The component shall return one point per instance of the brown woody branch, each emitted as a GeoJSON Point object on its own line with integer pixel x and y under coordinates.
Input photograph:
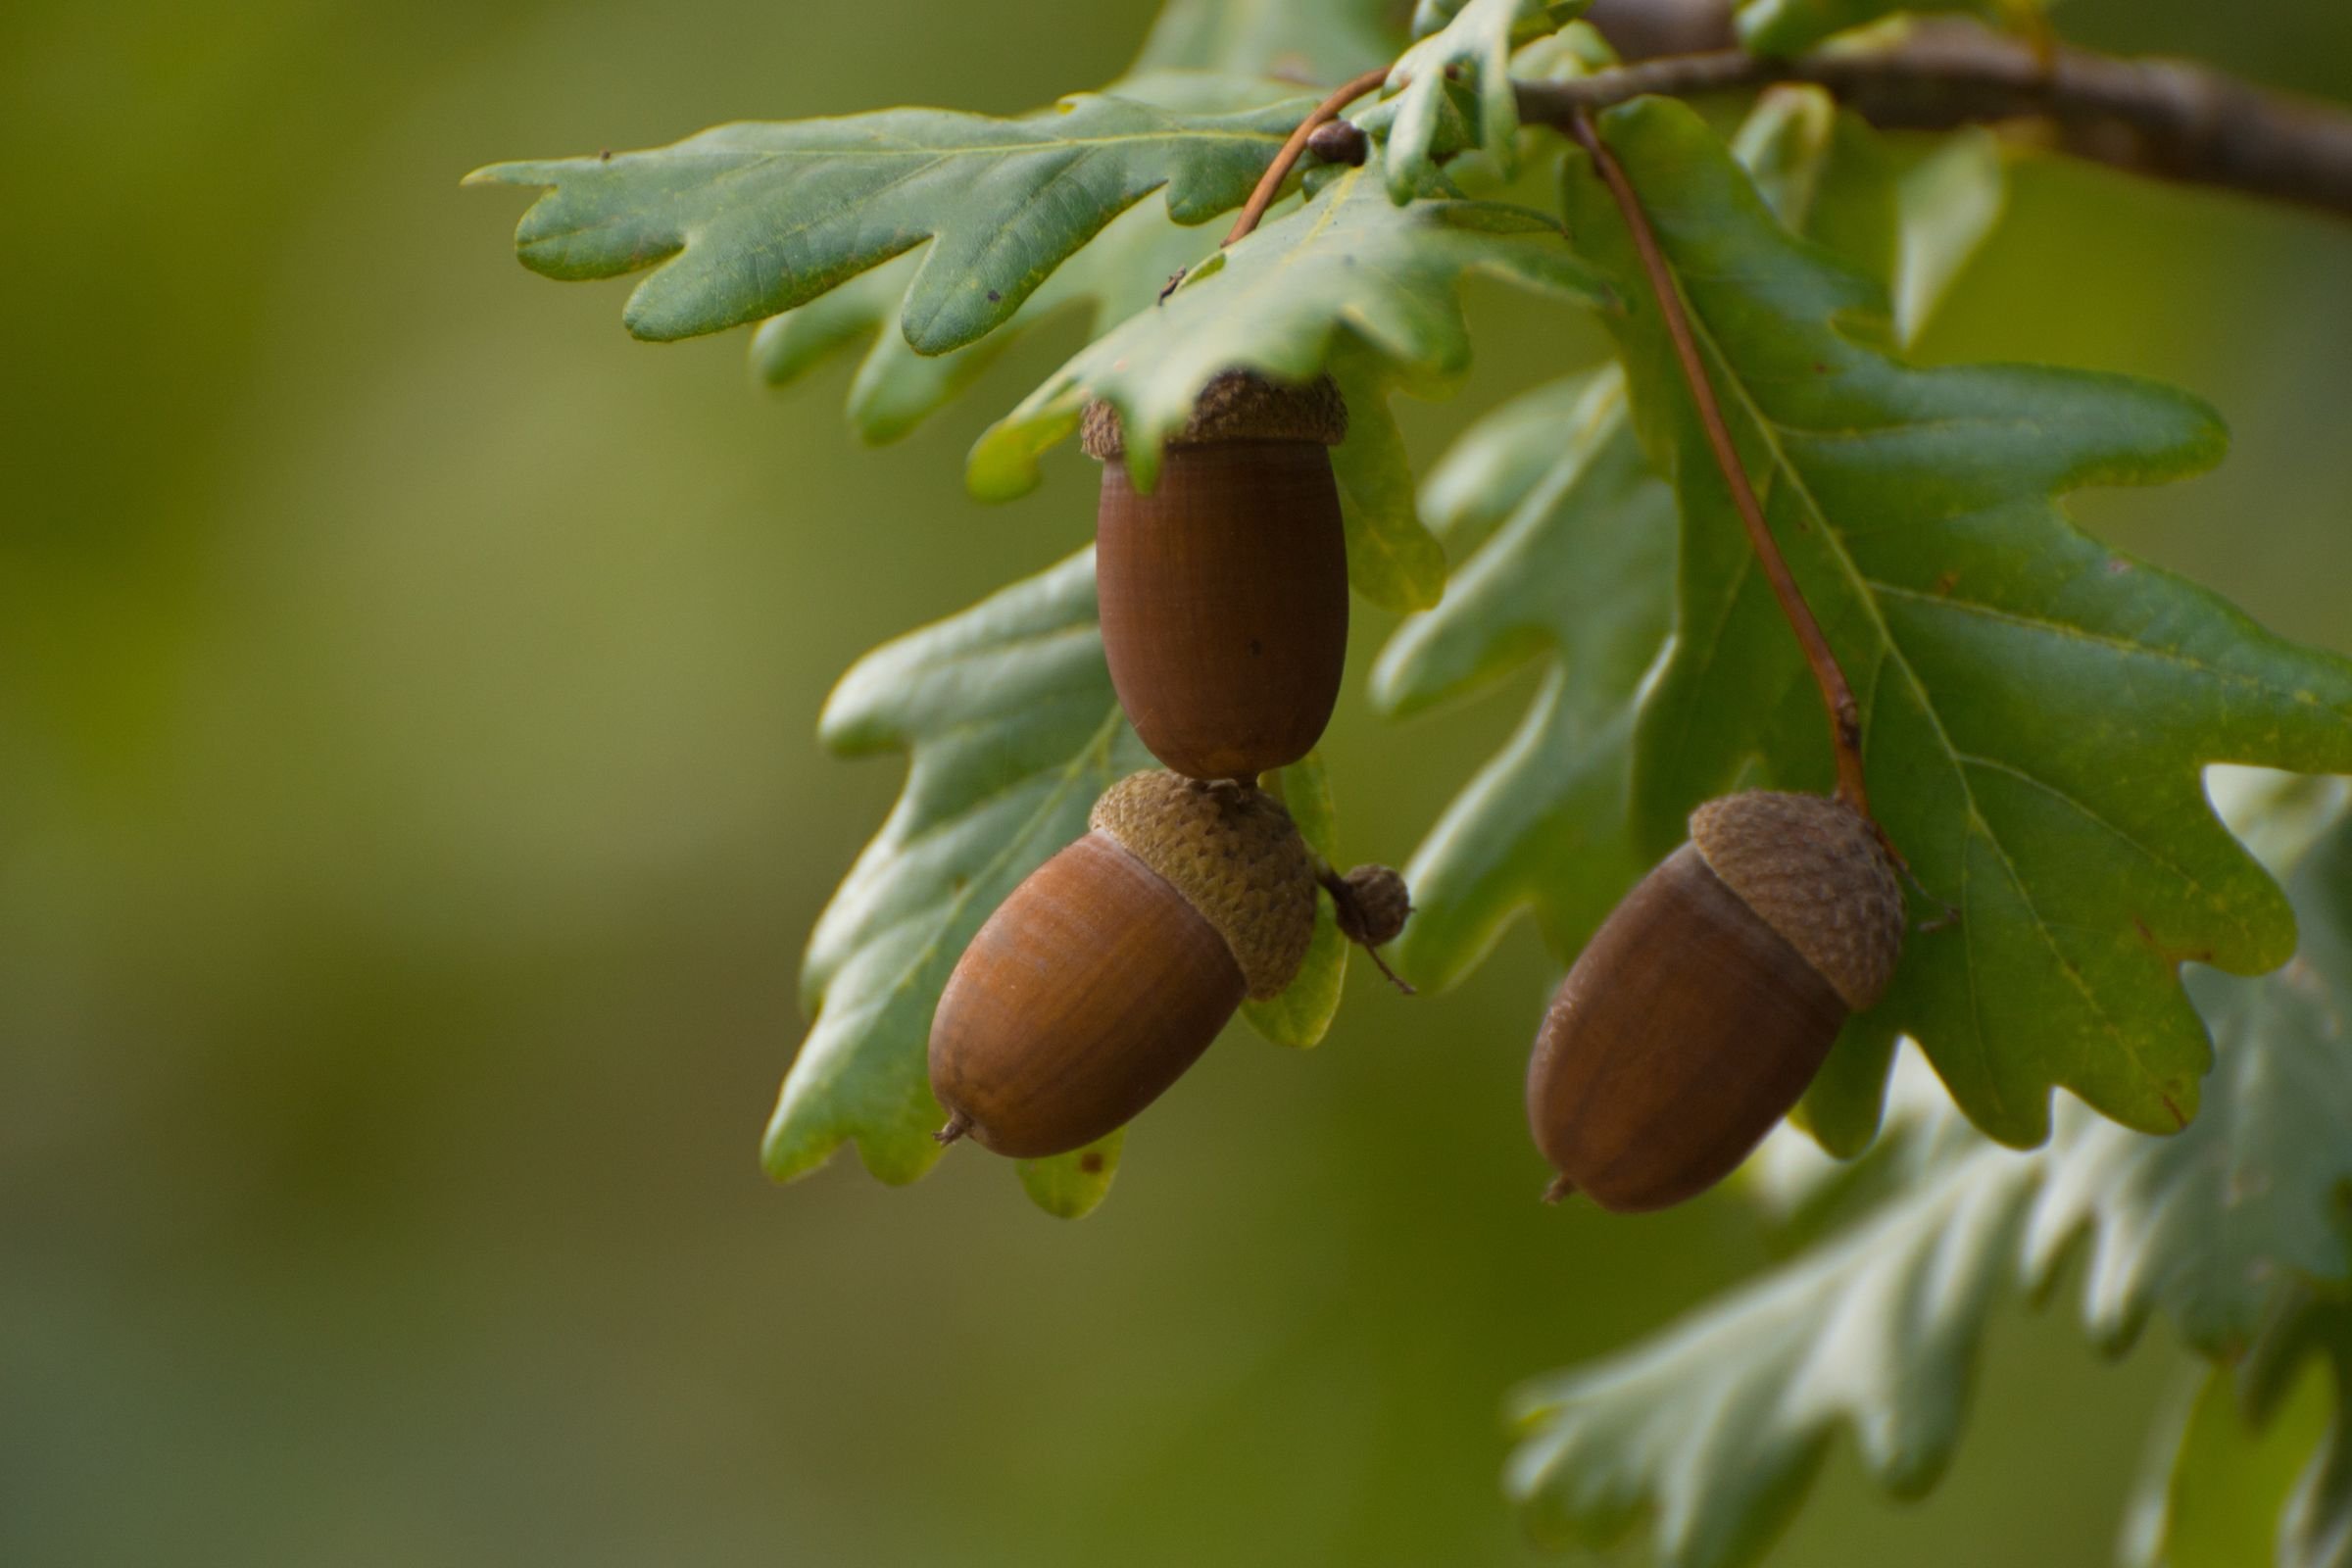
{"type": "Point", "coordinates": [1639, 30]}
{"type": "Point", "coordinates": [2170, 119]}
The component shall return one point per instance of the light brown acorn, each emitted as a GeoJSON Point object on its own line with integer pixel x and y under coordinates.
{"type": "Point", "coordinates": [1108, 972]}
{"type": "Point", "coordinates": [1224, 592]}
{"type": "Point", "coordinates": [1696, 1015]}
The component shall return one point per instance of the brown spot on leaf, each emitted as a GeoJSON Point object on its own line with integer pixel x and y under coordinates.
{"type": "Point", "coordinates": [1945, 583]}
{"type": "Point", "coordinates": [1091, 1162]}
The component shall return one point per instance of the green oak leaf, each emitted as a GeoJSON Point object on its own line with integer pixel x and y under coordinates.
{"type": "Point", "coordinates": [2205, 1225]}
{"type": "Point", "coordinates": [1465, 49]}
{"type": "Point", "coordinates": [1007, 714]}
{"type": "Point", "coordinates": [749, 219]}
{"type": "Point", "coordinates": [1121, 271]}
{"type": "Point", "coordinates": [1577, 572]}
{"type": "Point", "coordinates": [1910, 217]}
{"type": "Point", "coordinates": [1573, 562]}
{"type": "Point", "coordinates": [1496, 464]}
{"type": "Point", "coordinates": [1710, 1432]}
{"type": "Point", "coordinates": [1570, 559]}
{"type": "Point", "coordinates": [1302, 1015]}
{"type": "Point", "coordinates": [1392, 559]}
{"type": "Point", "coordinates": [1947, 204]}
{"type": "Point", "coordinates": [2316, 1530]}
{"type": "Point", "coordinates": [896, 389]}
{"type": "Point", "coordinates": [1782, 28]}
{"type": "Point", "coordinates": [1306, 40]}
{"type": "Point", "coordinates": [1349, 283]}
{"type": "Point", "coordinates": [2037, 706]}
{"type": "Point", "coordinates": [2308, 1339]}
{"type": "Point", "coordinates": [1073, 1186]}
{"type": "Point", "coordinates": [2219, 1477]}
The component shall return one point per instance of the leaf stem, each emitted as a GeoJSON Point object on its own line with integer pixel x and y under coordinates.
{"type": "Point", "coordinates": [1838, 697]}
{"type": "Point", "coordinates": [1270, 184]}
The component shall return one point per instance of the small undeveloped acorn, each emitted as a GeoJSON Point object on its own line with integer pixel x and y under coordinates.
{"type": "Point", "coordinates": [1372, 905]}
{"type": "Point", "coordinates": [1696, 1015]}
{"type": "Point", "coordinates": [1106, 974]}
{"type": "Point", "coordinates": [1224, 592]}
{"type": "Point", "coordinates": [1338, 141]}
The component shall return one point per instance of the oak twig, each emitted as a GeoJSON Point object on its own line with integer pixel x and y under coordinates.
{"type": "Point", "coordinates": [2171, 119]}
{"type": "Point", "coordinates": [1846, 715]}
{"type": "Point", "coordinates": [1642, 29]}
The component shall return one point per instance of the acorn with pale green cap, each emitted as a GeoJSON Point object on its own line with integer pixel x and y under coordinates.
{"type": "Point", "coordinates": [1702, 1008]}
{"type": "Point", "coordinates": [1111, 969]}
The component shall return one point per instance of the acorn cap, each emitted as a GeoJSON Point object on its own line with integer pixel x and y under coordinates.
{"type": "Point", "coordinates": [1815, 870]}
{"type": "Point", "coordinates": [1236, 405]}
{"type": "Point", "coordinates": [1234, 853]}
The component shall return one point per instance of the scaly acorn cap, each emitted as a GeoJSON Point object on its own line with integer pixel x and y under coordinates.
{"type": "Point", "coordinates": [1813, 869]}
{"type": "Point", "coordinates": [1236, 405]}
{"type": "Point", "coordinates": [1234, 853]}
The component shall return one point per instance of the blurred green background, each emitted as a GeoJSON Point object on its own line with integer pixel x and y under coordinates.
{"type": "Point", "coordinates": [410, 816]}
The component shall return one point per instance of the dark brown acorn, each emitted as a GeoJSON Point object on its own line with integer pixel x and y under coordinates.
{"type": "Point", "coordinates": [1110, 970]}
{"type": "Point", "coordinates": [1696, 1015]}
{"type": "Point", "coordinates": [1224, 592]}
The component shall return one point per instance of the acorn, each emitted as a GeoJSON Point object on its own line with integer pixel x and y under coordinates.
{"type": "Point", "coordinates": [1110, 970]}
{"type": "Point", "coordinates": [1224, 592]}
{"type": "Point", "coordinates": [1696, 1015]}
